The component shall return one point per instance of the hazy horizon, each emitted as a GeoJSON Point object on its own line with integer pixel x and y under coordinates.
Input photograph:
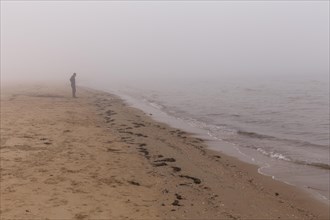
{"type": "Point", "coordinates": [122, 41]}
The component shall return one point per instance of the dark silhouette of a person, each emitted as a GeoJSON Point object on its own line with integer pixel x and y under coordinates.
{"type": "Point", "coordinates": [73, 85]}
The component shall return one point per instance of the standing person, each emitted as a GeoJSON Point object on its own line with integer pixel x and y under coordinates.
{"type": "Point", "coordinates": [73, 85]}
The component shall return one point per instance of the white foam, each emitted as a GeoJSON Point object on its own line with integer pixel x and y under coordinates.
{"type": "Point", "coordinates": [273, 154]}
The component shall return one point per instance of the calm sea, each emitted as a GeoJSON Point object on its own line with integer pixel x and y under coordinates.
{"type": "Point", "coordinates": [282, 123]}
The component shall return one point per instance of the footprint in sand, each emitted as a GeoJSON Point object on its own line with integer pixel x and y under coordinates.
{"type": "Point", "coordinates": [134, 183]}
{"type": "Point", "coordinates": [113, 150]}
{"type": "Point", "coordinates": [162, 162]}
{"type": "Point", "coordinates": [166, 160]}
{"type": "Point", "coordinates": [54, 180]}
{"type": "Point", "coordinates": [196, 180]}
{"type": "Point", "coordinates": [141, 135]}
{"type": "Point", "coordinates": [176, 169]}
{"type": "Point", "coordinates": [159, 164]}
{"type": "Point", "coordinates": [80, 216]}
{"type": "Point", "coordinates": [176, 203]}
{"type": "Point", "coordinates": [58, 202]}
{"type": "Point", "coordinates": [178, 196]}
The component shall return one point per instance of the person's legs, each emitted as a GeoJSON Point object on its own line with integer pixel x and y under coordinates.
{"type": "Point", "coordinates": [73, 91]}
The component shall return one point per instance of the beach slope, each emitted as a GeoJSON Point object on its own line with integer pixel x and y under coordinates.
{"type": "Point", "coordinates": [94, 157]}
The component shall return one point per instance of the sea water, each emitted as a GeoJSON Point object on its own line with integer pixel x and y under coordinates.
{"type": "Point", "coordinates": [281, 124]}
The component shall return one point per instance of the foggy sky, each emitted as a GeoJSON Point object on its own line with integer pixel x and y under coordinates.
{"type": "Point", "coordinates": [141, 39]}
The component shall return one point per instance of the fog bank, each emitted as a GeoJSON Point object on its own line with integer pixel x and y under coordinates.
{"type": "Point", "coordinates": [125, 41]}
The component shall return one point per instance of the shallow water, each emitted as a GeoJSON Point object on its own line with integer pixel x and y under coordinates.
{"type": "Point", "coordinates": [282, 125]}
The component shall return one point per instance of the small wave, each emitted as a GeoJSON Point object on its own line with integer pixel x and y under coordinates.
{"type": "Point", "coordinates": [254, 135]}
{"type": "Point", "coordinates": [318, 165]}
{"type": "Point", "coordinates": [280, 156]}
{"type": "Point", "coordinates": [155, 105]}
{"type": "Point", "coordinates": [251, 90]}
{"type": "Point", "coordinates": [216, 114]}
{"type": "Point", "coordinates": [289, 141]}
{"type": "Point", "coordinates": [274, 155]}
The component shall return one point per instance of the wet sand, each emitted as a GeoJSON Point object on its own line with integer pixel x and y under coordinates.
{"type": "Point", "coordinates": [94, 157]}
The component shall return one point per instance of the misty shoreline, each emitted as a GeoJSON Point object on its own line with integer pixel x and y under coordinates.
{"type": "Point", "coordinates": [95, 154]}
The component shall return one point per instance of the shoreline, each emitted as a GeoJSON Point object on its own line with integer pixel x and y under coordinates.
{"type": "Point", "coordinates": [169, 173]}
{"type": "Point", "coordinates": [261, 162]}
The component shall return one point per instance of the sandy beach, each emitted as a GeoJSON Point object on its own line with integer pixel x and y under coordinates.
{"type": "Point", "coordinates": [95, 157]}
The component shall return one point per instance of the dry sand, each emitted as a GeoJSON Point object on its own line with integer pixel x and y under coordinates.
{"type": "Point", "coordinates": [94, 157]}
